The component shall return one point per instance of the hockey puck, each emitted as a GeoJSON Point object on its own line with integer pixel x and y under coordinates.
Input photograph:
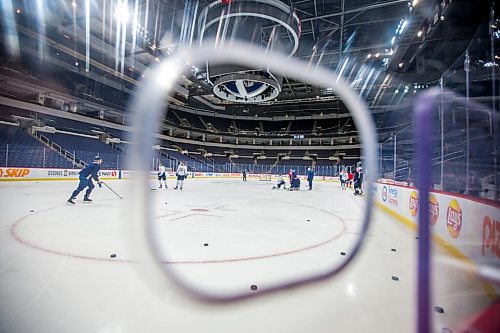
{"type": "Point", "coordinates": [308, 220]}
{"type": "Point", "coordinates": [342, 253]}
{"type": "Point", "coordinates": [253, 287]}
{"type": "Point", "coordinates": [31, 211]}
{"type": "Point", "coordinates": [395, 278]}
{"type": "Point", "coordinates": [393, 250]}
{"type": "Point", "coordinates": [206, 244]}
{"type": "Point", "coordinates": [113, 255]}
{"type": "Point", "coordinates": [438, 309]}
{"type": "Point", "coordinates": [416, 237]}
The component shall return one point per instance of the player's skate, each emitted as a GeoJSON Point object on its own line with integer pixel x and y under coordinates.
{"type": "Point", "coordinates": [86, 199]}
{"type": "Point", "coordinates": [70, 200]}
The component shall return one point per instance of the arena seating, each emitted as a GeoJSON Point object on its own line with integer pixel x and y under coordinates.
{"type": "Point", "coordinates": [19, 149]}
{"type": "Point", "coordinates": [85, 149]}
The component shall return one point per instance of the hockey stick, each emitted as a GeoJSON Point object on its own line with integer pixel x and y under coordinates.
{"type": "Point", "coordinates": [112, 190]}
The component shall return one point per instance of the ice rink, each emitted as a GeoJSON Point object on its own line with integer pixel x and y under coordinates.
{"type": "Point", "coordinates": [57, 273]}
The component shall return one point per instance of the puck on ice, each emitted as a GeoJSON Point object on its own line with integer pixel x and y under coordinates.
{"type": "Point", "coordinates": [395, 278]}
{"type": "Point", "coordinates": [438, 309]}
{"type": "Point", "coordinates": [113, 255]}
{"type": "Point", "coordinates": [253, 287]}
{"type": "Point", "coordinates": [393, 250]}
{"type": "Point", "coordinates": [206, 244]}
{"type": "Point", "coordinates": [308, 220]}
{"type": "Point", "coordinates": [342, 253]}
{"type": "Point", "coordinates": [31, 211]}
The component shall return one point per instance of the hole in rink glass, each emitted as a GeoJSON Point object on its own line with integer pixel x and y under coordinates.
{"type": "Point", "coordinates": [253, 200]}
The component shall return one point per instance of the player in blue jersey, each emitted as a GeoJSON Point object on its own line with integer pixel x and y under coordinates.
{"type": "Point", "coordinates": [86, 175]}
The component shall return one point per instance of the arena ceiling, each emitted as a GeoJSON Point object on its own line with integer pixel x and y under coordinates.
{"type": "Point", "coordinates": [376, 45]}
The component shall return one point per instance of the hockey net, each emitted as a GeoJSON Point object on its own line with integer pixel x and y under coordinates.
{"type": "Point", "coordinates": [265, 177]}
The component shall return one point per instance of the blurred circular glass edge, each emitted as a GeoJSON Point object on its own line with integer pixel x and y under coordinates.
{"type": "Point", "coordinates": [148, 107]}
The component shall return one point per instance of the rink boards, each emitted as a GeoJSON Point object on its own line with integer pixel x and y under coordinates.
{"type": "Point", "coordinates": [40, 174]}
{"type": "Point", "coordinates": [467, 227]}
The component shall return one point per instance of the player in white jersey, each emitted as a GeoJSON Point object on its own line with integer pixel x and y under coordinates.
{"type": "Point", "coordinates": [181, 175]}
{"type": "Point", "coordinates": [344, 177]}
{"type": "Point", "coordinates": [279, 182]}
{"type": "Point", "coordinates": [162, 175]}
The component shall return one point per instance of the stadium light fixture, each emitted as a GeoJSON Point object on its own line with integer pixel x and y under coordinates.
{"type": "Point", "coordinates": [419, 34]}
{"type": "Point", "coordinates": [121, 12]}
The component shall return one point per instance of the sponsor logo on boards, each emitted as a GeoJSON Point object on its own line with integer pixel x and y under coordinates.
{"type": "Point", "coordinates": [384, 194]}
{"type": "Point", "coordinates": [433, 209]}
{"type": "Point", "coordinates": [413, 203]}
{"type": "Point", "coordinates": [454, 218]}
{"type": "Point", "coordinates": [14, 172]}
{"type": "Point", "coordinates": [491, 236]}
{"type": "Point", "coordinates": [392, 195]}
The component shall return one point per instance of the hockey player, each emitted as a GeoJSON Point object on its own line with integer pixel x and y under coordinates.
{"type": "Point", "coordinates": [350, 177]}
{"type": "Point", "coordinates": [295, 185]}
{"type": "Point", "coordinates": [280, 182]}
{"type": "Point", "coordinates": [162, 175]}
{"type": "Point", "coordinates": [181, 175]}
{"type": "Point", "coordinates": [344, 177]}
{"type": "Point", "coordinates": [358, 181]}
{"type": "Point", "coordinates": [86, 175]}
{"type": "Point", "coordinates": [244, 175]}
{"type": "Point", "coordinates": [310, 177]}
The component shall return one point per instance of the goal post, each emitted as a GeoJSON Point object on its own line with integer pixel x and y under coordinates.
{"type": "Point", "coordinates": [265, 177]}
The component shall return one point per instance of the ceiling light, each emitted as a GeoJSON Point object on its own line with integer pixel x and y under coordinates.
{"type": "Point", "coordinates": [377, 55]}
{"type": "Point", "coordinates": [18, 11]}
{"type": "Point", "coordinates": [121, 12]}
{"type": "Point", "coordinates": [73, 4]}
{"type": "Point", "coordinates": [414, 3]}
{"type": "Point", "coordinates": [157, 59]}
{"type": "Point", "coordinates": [401, 65]}
{"type": "Point", "coordinates": [442, 17]}
{"type": "Point", "coordinates": [419, 34]}
{"type": "Point", "coordinates": [317, 96]}
{"type": "Point", "coordinates": [369, 56]}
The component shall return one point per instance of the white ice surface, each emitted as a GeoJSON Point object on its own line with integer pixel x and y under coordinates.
{"type": "Point", "coordinates": [56, 274]}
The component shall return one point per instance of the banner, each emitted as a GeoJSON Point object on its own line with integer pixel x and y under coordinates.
{"type": "Point", "coordinates": [27, 174]}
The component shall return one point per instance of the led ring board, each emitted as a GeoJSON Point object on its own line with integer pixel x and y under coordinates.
{"type": "Point", "coordinates": [147, 110]}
